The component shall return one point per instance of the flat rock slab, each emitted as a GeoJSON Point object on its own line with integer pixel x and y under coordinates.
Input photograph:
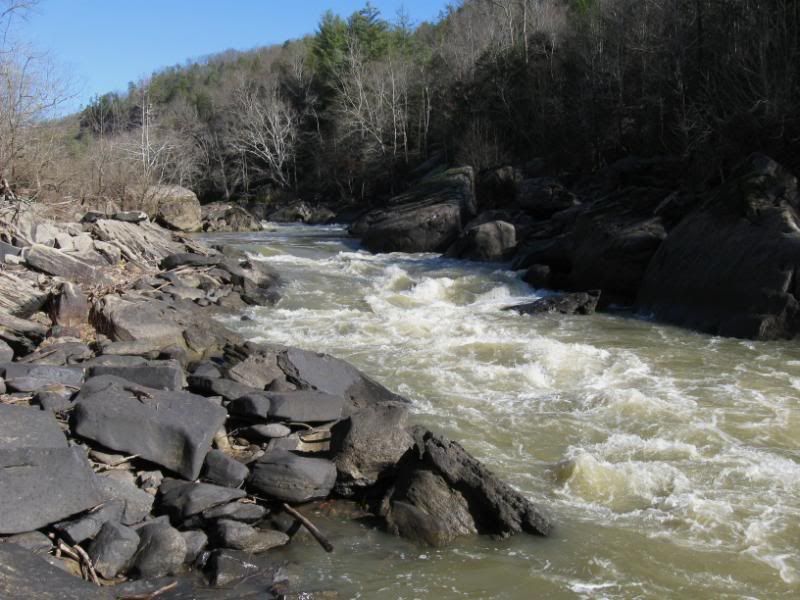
{"type": "Point", "coordinates": [172, 429]}
{"type": "Point", "coordinates": [182, 499]}
{"type": "Point", "coordinates": [61, 264]}
{"type": "Point", "coordinates": [47, 374]}
{"type": "Point", "coordinates": [24, 576]}
{"type": "Point", "coordinates": [305, 406]}
{"type": "Point", "coordinates": [158, 374]}
{"type": "Point", "coordinates": [27, 427]}
{"type": "Point", "coordinates": [39, 486]}
{"type": "Point", "coordinates": [292, 478]}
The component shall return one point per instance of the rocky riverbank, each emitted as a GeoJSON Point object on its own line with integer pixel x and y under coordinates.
{"type": "Point", "coordinates": [721, 260]}
{"type": "Point", "coordinates": [147, 451]}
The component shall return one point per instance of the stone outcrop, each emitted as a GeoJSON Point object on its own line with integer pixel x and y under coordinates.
{"type": "Point", "coordinates": [427, 218]}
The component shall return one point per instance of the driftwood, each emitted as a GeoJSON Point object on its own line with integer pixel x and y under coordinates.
{"type": "Point", "coordinates": [312, 529]}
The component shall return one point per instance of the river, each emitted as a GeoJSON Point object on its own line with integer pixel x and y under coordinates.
{"type": "Point", "coordinates": [667, 459]}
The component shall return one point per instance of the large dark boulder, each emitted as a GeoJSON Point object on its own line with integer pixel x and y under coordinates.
{"type": "Point", "coordinates": [730, 267]}
{"type": "Point", "coordinates": [367, 446]}
{"type": "Point", "coordinates": [442, 492]}
{"type": "Point", "coordinates": [170, 428]}
{"type": "Point", "coordinates": [27, 427]}
{"type": "Point", "coordinates": [492, 241]}
{"type": "Point", "coordinates": [291, 478]}
{"type": "Point", "coordinates": [224, 216]}
{"type": "Point", "coordinates": [543, 197]}
{"type": "Point", "coordinates": [324, 373]}
{"type": "Point", "coordinates": [24, 575]}
{"type": "Point", "coordinates": [39, 486]}
{"type": "Point", "coordinates": [427, 218]}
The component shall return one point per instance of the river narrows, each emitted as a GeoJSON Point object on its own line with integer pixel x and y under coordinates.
{"type": "Point", "coordinates": [668, 460]}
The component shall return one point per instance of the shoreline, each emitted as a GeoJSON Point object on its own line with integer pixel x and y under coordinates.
{"type": "Point", "coordinates": [123, 368]}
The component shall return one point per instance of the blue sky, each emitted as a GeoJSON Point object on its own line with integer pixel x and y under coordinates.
{"type": "Point", "coordinates": [104, 44]}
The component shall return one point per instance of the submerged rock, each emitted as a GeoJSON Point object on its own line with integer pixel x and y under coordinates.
{"type": "Point", "coordinates": [578, 303]}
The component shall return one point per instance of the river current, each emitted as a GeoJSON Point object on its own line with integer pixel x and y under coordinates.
{"type": "Point", "coordinates": [667, 459]}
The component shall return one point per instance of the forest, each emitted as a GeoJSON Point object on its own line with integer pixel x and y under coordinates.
{"type": "Point", "coordinates": [347, 114]}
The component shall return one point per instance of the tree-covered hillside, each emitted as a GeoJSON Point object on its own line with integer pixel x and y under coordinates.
{"type": "Point", "coordinates": [348, 112]}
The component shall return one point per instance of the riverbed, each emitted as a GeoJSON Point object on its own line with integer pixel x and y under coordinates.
{"type": "Point", "coordinates": [667, 459]}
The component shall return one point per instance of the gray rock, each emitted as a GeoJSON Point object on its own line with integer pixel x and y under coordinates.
{"type": "Point", "coordinates": [60, 354]}
{"type": "Point", "coordinates": [196, 541]}
{"type": "Point", "coordinates": [27, 427]}
{"type": "Point", "coordinates": [187, 259]}
{"type": "Point", "coordinates": [324, 373]}
{"type": "Point", "coordinates": [54, 398]}
{"type": "Point", "coordinates": [137, 503]}
{"type": "Point", "coordinates": [258, 369]}
{"type": "Point", "coordinates": [441, 492]}
{"type": "Point", "coordinates": [367, 446]}
{"type": "Point", "coordinates": [87, 526]}
{"type": "Point", "coordinates": [492, 241]}
{"type": "Point", "coordinates": [225, 567]}
{"type": "Point", "coordinates": [240, 536]}
{"type": "Point", "coordinates": [24, 576]}
{"type": "Point", "coordinates": [39, 486]}
{"type": "Point", "coordinates": [427, 218]}
{"type": "Point", "coordinates": [182, 499]}
{"type": "Point", "coordinates": [255, 405]}
{"type": "Point", "coordinates": [292, 478]}
{"type": "Point", "coordinates": [161, 551]}
{"type": "Point", "coordinates": [305, 406]}
{"type": "Point", "coordinates": [214, 386]}
{"type": "Point", "coordinates": [206, 369]}
{"type": "Point", "coordinates": [47, 374]}
{"type": "Point", "coordinates": [237, 511]}
{"type": "Point", "coordinates": [224, 216]}
{"type": "Point", "coordinates": [266, 432]}
{"type": "Point", "coordinates": [223, 470]}
{"type": "Point", "coordinates": [6, 352]}
{"type": "Point", "coordinates": [61, 264]}
{"type": "Point", "coordinates": [113, 549]}
{"type": "Point", "coordinates": [34, 541]}
{"type": "Point", "coordinates": [172, 429]}
{"type": "Point", "coordinates": [158, 374]}
{"type": "Point", "coordinates": [578, 303]}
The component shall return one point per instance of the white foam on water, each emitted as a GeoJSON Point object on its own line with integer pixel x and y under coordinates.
{"type": "Point", "coordinates": [663, 433]}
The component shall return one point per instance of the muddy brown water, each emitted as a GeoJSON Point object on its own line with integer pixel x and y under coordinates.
{"type": "Point", "coordinates": [667, 459]}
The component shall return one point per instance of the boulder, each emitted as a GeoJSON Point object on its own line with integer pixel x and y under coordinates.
{"type": "Point", "coordinates": [113, 549]}
{"type": "Point", "coordinates": [427, 218]}
{"type": "Point", "coordinates": [136, 503]}
{"type": "Point", "coordinates": [730, 267]}
{"type": "Point", "coordinates": [87, 526]}
{"type": "Point", "coordinates": [182, 499]}
{"type": "Point", "coordinates": [291, 478]}
{"type": "Point", "coordinates": [178, 208]}
{"type": "Point", "coordinates": [161, 551]}
{"type": "Point", "coordinates": [240, 536]}
{"type": "Point", "coordinates": [367, 446]}
{"type": "Point", "coordinates": [578, 303]}
{"type": "Point", "coordinates": [223, 470]}
{"type": "Point", "coordinates": [544, 196]}
{"type": "Point", "coordinates": [324, 373]}
{"type": "Point", "coordinates": [27, 427]}
{"type": "Point", "coordinates": [24, 575]}
{"type": "Point", "coordinates": [236, 511]}
{"type": "Point", "coordinates": [172, 429]}
{"type": "Point", "coordinates": [158, 374]}
{"type": "Point", "coordinates": [492, 241]}
{"type": "Point", "coordinates": [442, 492]}
{"type": "Point", "coordinates": [61, 264]}
{"type": "Point", "coordinates": [39, 486]}
{"type": "Point", "coordinates": [223, 216]}
{"type": "Point", "coordinates": [305, 406]}
{"type": "Point", "coordinates": [196, 541]}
